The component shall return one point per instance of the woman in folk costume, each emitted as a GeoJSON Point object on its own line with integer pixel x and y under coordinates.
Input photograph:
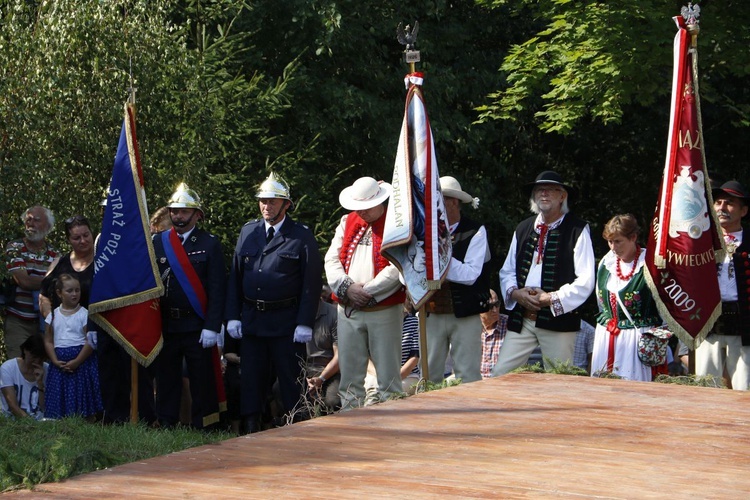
{"type": "Point", "coordinates": [627, 308]}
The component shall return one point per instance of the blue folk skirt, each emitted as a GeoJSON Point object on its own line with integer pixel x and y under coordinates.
{"type": "Point", "coordinates": [76, 393]}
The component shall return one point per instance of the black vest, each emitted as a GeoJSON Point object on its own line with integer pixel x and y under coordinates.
{"type": "Point", "coordinates": [741, 260]}
{"type": "Point", "coordinates": [558, 268]}
{"type": "Point", "coordinates": [467, 300]}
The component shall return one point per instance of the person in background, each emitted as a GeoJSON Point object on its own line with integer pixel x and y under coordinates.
{"type": "Point", "coordinates": [494, 328]}
{"type": "Point", "coordinates": [22, 381]}
{"type": "Point", "coordinates": [27, 260]}
{"type": "Point", "coordinates": [549, 273]}
{"type": "Point", "coordinates": [322, 367]}
{"type": "Point", "coordinates": [410, 350]}
{"type": "Point", "coordinates": [160, 221]}
{"type": "Point", "coordinates": [584, 346]}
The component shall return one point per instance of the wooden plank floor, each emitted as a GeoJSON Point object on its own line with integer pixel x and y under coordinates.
{"type": "Point", "coordinates": [517, 436]}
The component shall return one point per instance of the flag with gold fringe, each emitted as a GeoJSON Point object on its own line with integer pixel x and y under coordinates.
{"type": "Point", "coordinates": [416, 237]}
{"type": "Point", "coordinates": [683, 238]}
{"type": "Point", "coordinates": [126, 287]}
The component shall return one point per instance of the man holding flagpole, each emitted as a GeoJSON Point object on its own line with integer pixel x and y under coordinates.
{"type": "Point", "coordinates": [453, 311]}
{"type": "Point", "coordinates": [192, 268]}
{"type": "Point", "coordinates": [727, 346]}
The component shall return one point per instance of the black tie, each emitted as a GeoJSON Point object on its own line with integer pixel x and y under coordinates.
{"type": "Point", "coordinates": [181, 237]}
{"type": "Point", "coordinates": [269, 235]}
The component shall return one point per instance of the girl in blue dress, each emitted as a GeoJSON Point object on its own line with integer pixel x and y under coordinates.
{"type": "Point", "coordinates": [73, 380]}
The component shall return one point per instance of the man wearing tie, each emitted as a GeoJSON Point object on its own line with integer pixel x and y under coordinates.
{"type": "Point", "coordinates": [272, 300]}
{"type": "Point", "coordinates": [192, 268]}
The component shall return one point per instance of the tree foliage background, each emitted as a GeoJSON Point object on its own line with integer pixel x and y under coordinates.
{"type": "Point", "coordinates": [229, 89]}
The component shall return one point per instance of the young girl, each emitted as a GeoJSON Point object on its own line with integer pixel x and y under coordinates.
{"type": "Point", "coordinates": [73, 380]}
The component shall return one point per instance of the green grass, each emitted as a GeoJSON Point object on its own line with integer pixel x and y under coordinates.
{"type": "Point", "coordinates": [34, 452]}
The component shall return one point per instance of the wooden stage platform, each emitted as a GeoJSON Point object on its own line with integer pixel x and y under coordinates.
{"type": "Point", "coordinates": [517, 436]}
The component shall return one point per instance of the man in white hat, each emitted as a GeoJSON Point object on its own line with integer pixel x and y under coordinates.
{"type": "Point", "coordinates": [369, 294]}
{"type": "Point", "coordinates": [453, 322]}
{"type": "Point", "coordinates": [272, 301]}
{"type": "Point", "coordinates": [548, 274]}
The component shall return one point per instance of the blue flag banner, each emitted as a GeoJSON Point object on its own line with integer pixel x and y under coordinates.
{"type": "Point", "coordinates": [126, 286]}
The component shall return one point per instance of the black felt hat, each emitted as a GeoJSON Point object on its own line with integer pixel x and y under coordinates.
{"type": "Point", "coordinates": [551, 177]}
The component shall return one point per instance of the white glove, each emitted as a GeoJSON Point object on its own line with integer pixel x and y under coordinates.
{"type": "Point", "coordinates": [92, 339]}
{"type": "Point", "coordinates": [302, 334]}
{"type": "Point", "coordinates": [234, 327]}
{"type": "Point", "coordinates": [208, 338]}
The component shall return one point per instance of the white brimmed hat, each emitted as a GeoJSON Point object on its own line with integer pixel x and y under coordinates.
{"type": "Point", "coordinates": [365, 193]}
{"type": "Point", "coordinates": [452, 189]}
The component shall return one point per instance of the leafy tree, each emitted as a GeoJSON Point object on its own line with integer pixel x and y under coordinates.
{"type": "Point", "coordinates": [65, 72]}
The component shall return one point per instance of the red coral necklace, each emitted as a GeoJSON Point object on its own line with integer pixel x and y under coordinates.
{"type": "Point", "coordinates": [632, 271]}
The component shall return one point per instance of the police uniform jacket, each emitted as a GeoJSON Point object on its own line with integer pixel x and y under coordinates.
{"type": "Point", "coordinates": [204, 252]}
{"type": "Point", "coordinates": [286, 274]}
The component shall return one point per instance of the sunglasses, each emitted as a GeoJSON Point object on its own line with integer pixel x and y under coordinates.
{"type": "Point", "coordinates": [76, 220]}
{"type": "Point", "coordinates": [494, 304]}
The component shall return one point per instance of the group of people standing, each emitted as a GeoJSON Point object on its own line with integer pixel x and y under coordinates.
{"type": "Point", "coordinates": [271, 308]}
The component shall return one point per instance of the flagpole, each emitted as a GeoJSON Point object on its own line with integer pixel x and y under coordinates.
{"type": "Point", "coordinates": [408, 36]}
{"type": "Point", "coordinates": [133, 362]}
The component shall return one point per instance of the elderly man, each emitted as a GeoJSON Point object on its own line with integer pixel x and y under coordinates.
{"type": "Point", "coordinates": [548, 274]}
{"type": "Point", "coordinates": [191, 264]}
{"type": "Point", "coordinates": [728, 344]}
{"type": "Point", "coordinates": [369, 294]}
{"type": "Point", "coordinates": [453, 312]}
{"type": "Point", "coordinates": [27, 262]}
{"type": "Point", "coordinates": [272, 301]}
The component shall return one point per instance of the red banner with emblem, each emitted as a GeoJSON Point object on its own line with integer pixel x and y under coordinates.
{"type": "Point", "coordinates": [683, 240]}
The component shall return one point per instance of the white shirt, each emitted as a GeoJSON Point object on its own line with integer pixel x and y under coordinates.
{"type": "Point", "coordinates": [478, 253]}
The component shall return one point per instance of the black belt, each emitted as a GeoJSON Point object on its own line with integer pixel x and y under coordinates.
{"type": "Point", "coordinates": [730, 307]}
{"type": "Point", "coordinates": [177, 313]}
{"type": "Point", "coordinates": [271, 305]}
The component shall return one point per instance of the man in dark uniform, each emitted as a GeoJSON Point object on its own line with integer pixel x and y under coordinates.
{"type": "Point", "coordinates": [727, 346]}
{"type": "Point", "coordinates": [272, 299]}
{"type": "Point", "coordinates": [192, 269]}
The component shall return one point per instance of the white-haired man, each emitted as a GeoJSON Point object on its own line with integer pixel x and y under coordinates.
{"type": "Point", "coordinates": [548, 274]}
{"type": "Point", "coordinates": [27, 261]}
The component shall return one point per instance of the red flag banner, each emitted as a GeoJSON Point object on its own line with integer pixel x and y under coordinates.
{"type": "Point", "coordinates": [416, 237]}
{"type": "Point", "coordinates": [124, 293]}
{"type": "Point", "coordinates": [683, 241]}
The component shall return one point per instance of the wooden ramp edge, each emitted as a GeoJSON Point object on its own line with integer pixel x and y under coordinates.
{"type": "Point", "coordinates": [517, 436]}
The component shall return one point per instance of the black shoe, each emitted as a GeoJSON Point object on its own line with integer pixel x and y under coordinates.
{"type": "Point", "coordinates": [250, 425]}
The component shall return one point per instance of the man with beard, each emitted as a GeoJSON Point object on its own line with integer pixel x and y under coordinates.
{"type": "Point", "coordinates": [27, 262]}
{"type": "Point", "coordinates": [547, 276]}
{"type": "Point", "coordinates": [191, 264]}
{"type": "Point", "coordinates": [728, 343]}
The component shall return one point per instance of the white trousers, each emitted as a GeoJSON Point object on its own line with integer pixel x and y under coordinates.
{"type": "Point", "coordinates": [517, 347]}
{"type": "Point", "coordinates": [718, 351]}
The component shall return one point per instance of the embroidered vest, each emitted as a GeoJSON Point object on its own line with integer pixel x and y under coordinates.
{"type": "Point", "coordinates": [354, 229]}
{"type": "Point", "coordinates": [636, 297]}
{"type": "Point", "coordinates": [741, 259]}
{"type": "Point", "coordinates": [558, 268]}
